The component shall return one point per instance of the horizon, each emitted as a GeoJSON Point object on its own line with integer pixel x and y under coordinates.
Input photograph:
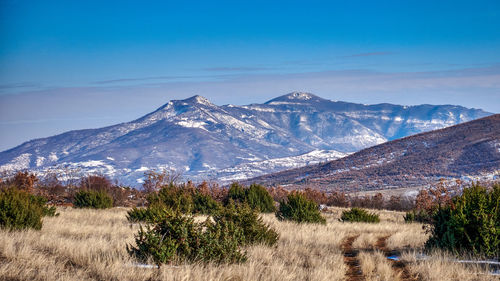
{"type": "Point", "coordinates": [69, 66]}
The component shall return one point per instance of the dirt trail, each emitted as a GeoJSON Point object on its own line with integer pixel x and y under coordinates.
{"type": "Point", "coordinates": [350, 259]}
{"type": "Point", "coordinates": [398, 265]}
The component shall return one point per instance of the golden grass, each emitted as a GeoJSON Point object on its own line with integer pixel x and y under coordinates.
{"type": "Point", "coordinates": [90, 245]}
{"type": "Point", "coordinates": [376, 267]}
{"type": "Point", "coordinates": [440, 266]}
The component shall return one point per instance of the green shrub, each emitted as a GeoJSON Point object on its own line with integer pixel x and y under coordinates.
{"type": "Point", "coordinates": [236, 193]}
{"type": "Point", "coordinates": [173, 197]}
{"type": "Point", "coordinates": [470, 224]}
{"type": "Point", "coordinates": [47, 211]}
{"type": "Point", "coordinates": [359, 215]}
{"type": "Point", "coordinates": [204, 204]}
{"type": "Point", "coordinates": [21, 210]}
{"type": "Point", "coordinates": [150, 214]}
{"type": "Point", "coordinates": [177, 238]}
{"type": "Point", "coordinates": [256, 196]}
{"type": "Point", "coordinates": [421, 216]}
{"type": "Point", "coordinates": [254, 230]}
{"type": "Point", "coordinates": [298, 208]}
{"type": "Point", "coordinates": [92, 199]}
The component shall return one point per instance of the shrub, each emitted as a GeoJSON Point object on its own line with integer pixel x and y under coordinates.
{"type": "Point", "coordinates": [49, 211]}
{"type": "Point", "coordinates": [254, 230]}
{"type": "Point", "coordinates": [256, 196]}
{"type": "Point", "coordinates": [151, 214]}
{"type": "Point", "coordinates": [177, 238]}
{"type": "Point", "coordinates": [421, 216]}
{"type": "Point", "coordinates": [92, 199]}
{"type": "Point", "coordinates": [471, 223]}
{"type": "Point", "coordinates": [21, 210]}
{"type": "Point", "coordinates": [204, 204]}
{"type": "Point", "coordinates": [236, 193]}
{"type": "Point", "coordinates": [173, 197]}
{"type": "Point", "coordinates": [298, 208]}
{"type": "Point", "coordinates": [359, 215]}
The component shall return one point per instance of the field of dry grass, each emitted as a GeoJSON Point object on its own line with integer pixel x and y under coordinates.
{"type": "Point", "coordinates": [90, 245]}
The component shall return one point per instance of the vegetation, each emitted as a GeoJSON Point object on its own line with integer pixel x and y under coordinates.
{"type": "Point", "coordinates": [471, 223]}
{"type": "Point", "coordinates": [21, 210]}
{"type": "Point", "coordinates": [151, 214]}
{"type": "Point", "coordinates": [420, 216]}
{"type": "Point", "coordinates": [253, 229]}
{"type": "Point", "coordinates": [205, 204]}
{"type": "Point", "coordinates": [177, 238]}
{"type": "Point", "coordinates": [359, 215]}
{"type": "Point", "coordinates": [298, 208]}
{"type": "Point", "coordinates": [92, 199]}
{"type": "Point", "coordinates": [65, 249]}
{"type": "Point", "coordinates": [174, 197]}
{"type": "Point", "coordinates": [256, 196]}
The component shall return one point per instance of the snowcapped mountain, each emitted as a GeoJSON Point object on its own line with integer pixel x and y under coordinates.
{"type": "Point", "coordinates": [205, 141]}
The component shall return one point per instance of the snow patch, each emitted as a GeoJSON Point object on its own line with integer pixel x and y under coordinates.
{"type": "Point", "coordinates": [39, 161]}
{"type": "Point", "coordinates": [20, 162]}
{"type": "Point", "coordinates": [53, 157]}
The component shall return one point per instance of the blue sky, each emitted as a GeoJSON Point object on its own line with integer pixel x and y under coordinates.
{"type": "Point", "coordinates": [84, 64]}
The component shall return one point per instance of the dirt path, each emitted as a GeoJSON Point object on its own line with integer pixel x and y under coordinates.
{"type": "Point", "coordinates": [350, 259]}
{"type": "Point", "coordinates": [399, 266]}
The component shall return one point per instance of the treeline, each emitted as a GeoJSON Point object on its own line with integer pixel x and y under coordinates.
{"type": "Point", "coordinates": [57, 193]}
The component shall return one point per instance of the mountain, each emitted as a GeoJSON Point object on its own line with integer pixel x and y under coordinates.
{"type": "Point", "coordinates": [206, 141]}
{"type": "Point", "coordinates": [466, 151]}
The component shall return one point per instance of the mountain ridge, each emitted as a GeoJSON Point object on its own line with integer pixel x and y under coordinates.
{"type": "Point", "coordinates": [461, 151]}
{"type": "Point", "coordinates": [198, 138]}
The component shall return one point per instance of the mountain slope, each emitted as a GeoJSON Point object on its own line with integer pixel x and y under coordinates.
{"type": "Point", "coordinates": [197, 138]}
{"type": "Point", "coordinates": [468, 149]}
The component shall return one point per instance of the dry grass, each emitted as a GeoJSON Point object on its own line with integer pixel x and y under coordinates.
{"type": "Point", "coordinates": [90, 245]}
{"type": "Point", "coordinates": [376, 267]}
{"type": "Point", "coordinates": [440, 266]}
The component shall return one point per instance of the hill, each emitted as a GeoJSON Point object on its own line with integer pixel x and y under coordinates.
{"type": "Point", "coordinates": [465, 151]}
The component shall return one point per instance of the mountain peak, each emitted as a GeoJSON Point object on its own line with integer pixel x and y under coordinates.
{"type": "Point", "coordinates": [197, 99]}
{"type": "Point", "coordinates": [295, 97]}
{"type": "Point", "coordinates": [299, 96]}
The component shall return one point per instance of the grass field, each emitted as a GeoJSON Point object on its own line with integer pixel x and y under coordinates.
{"type": "Point", "coordinates": [90, 245]}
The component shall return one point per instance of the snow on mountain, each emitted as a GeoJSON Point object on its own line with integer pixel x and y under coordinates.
{"type": "Point", "coordinates": [206, 141]}
{"type": "Point", "coordinates": [468, 151]}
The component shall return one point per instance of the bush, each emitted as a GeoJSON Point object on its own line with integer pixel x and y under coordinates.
{"type": "Point", "coordinates": [173, 197]}
{"type": "Point", "coordinates": [171, 236]}
{"type": "Point", "coordinates": [471, 223]}
{"type": "Point", "coordinates": [92, 199]}
{"type": "Point", "coordinates": [21, 210]}
{"type": "Point", "coordinates": [254, 230]}
{"type": "Point", "coordinates": [256, 196]}
{"type": "Point", "coordinates": [204, 204]}
{"type": "Point", "coordinates": [298, 208]}
{"type": "Point", "coordinates": [421, 216]}
{"type": "Point", "coordinates": [151, 214]}
{"type": "Point", "coordinates": [177, 238]}
{"type": "Point", "coordinates": [359, 215]}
